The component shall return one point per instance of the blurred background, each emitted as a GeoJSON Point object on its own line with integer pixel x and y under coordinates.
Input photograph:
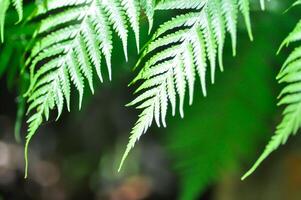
{"type": "Point", "coordinates": [199, 157]}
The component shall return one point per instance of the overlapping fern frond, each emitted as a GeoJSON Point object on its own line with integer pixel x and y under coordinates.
{"type": "Point", "coordinates": [72, 39]}
{"type": "Point", "coordinates": [4, 5]}
{"type": "Point", "coordinates": [290, 96]}
{"type": "Point", "coordinates": [191, 43]}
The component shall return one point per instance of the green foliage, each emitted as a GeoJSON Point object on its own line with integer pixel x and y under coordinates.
{"type": "Point", "coordinates": [4, 5]}
{"type": "Point", "coordinates": [75, 37]}
{"type": "Point", "coordinates": [71, 40]}
{"type": "Point", "coordinates": [290, 96]}
{"type": "Point", "coordinates": [179, 51]}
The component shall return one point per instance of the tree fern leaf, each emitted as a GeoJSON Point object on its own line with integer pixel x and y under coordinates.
{"type": "Point", "coordinates": [179, 50]}
{"type": "Point", "coordinates": [70, 41]}
{"type": "Point", "coordinates": [290, 96]}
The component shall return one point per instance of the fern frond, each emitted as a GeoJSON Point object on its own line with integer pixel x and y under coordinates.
{"type": "Point", "coordinates": [290, 96]}
{"type": "Point", "coordinates": [4, 5]}
{"type": "Point", "coordinates": [189, 41]}
{"type": "Point", "coordinates": [70, 43]}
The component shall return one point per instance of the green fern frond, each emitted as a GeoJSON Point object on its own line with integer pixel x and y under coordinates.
{"type": "Point", "coordinates": [70, 43]}
{"type": "Point", "coordinates": [189, 41]}
{"type": "Point", "coordinates": [290, 96]}
{"type": "Point", "coordinates": [4, 5]}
